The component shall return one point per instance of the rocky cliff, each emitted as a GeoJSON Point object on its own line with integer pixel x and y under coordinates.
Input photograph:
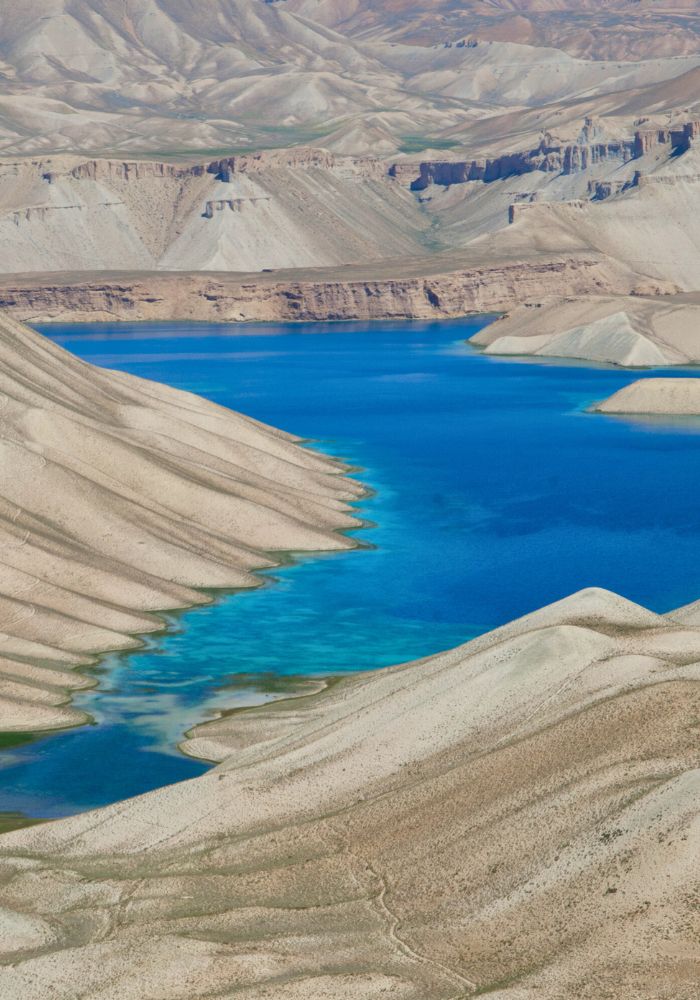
{"type": "Point", "coordinates": [549, 156]}
{"type": "Point", "coordinates": [557, 159]}
{"type": "Point", "coordinates": [411, 289]}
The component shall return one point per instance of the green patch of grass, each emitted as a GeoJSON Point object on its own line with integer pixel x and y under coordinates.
{"type": "Point", "coordinates": [268, 683]}
{"type": "Point", "coordinates": [263, 138]}
{"type": "Point", "coordinates": [16, 821]}
{"type": "Point", "coordinates": [417, 143]}
{"type": "Point", "coordinates": [10, 740]}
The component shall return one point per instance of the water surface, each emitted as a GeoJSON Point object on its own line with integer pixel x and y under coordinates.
{"type": "Point", "coordinates": [495, 492]}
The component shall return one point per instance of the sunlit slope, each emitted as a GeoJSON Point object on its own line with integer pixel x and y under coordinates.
{"type": "Point", "coordinates": [517, 817]}
{"type": "Point", "coordinates": [119, 497]}
{"type": "Point", "coordinates": [159, 75]}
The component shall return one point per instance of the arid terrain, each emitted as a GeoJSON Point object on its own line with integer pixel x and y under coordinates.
{"type": "Point", "coordinates": [122, 497]}
{"type": "Point", "coordinates": [167, 75]}
{"type": "Point", "coordinates": [325, 160]}
{"type": "Point", "coordinates": [514, 818]}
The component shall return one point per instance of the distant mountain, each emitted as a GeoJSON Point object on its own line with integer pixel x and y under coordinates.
{"type": "Point", "coordinates": [172, 76]}
{"type": "Point", "coordinates": [592, 29]}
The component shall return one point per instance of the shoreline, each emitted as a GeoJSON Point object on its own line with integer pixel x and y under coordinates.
{"type": "Point", "coordinates": [340, 817]}
{"type": "Point", "coordinates": [275, 558]}
{"type": "Point", "coordinates": [263, 577]}
{"type": "Point", "coordinates": [278, 559]}
{"type": "Point", "coordinates": [348, 814]}
{"type": "Point", "coordinates": [193, 507]}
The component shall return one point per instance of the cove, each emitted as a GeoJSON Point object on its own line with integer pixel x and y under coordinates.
{"type": "Point", "coordinates": [494, 492]}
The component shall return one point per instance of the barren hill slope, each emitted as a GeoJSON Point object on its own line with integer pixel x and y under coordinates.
{"type": "Point", "coordinates": [145, 75]}
{"type": "Point", "coordinates": [120, 497]}
{"type": "Point", "coordinates": [296, 209]}
{"type": "Point", "coordinates": [593, 29]}
{"type": "Point", "coordinates": [517, 817]}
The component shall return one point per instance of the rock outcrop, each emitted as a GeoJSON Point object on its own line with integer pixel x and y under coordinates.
{"type": "Point", "coordinates": [677, 137]}
{"type": "Point", "coordinates": [557, 159]}
{"type": "Point", "coordinates": [437, 287]}
{"type": "Point", "coordinates": [548, 157]}
{"type": "Point", "coordinates": [315, 209]}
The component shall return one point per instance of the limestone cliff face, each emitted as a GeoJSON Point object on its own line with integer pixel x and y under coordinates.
{"type": "Point", "coordinates": [312, 209]}
{"type": "Point", "coordinates": [678, 138]}
{"type": "Point", "coordinates": [124, 170]}
{"type": "Point", "coordinates": [297, 159]}
{"type": "Point", "coordinates": [566, 159]}
{"type": "Point", "coordinates": [344, 294]}
{"type": "Point", "coordinates": [548, 157]}
{"type": "Point", "coordinates": [300, 158]}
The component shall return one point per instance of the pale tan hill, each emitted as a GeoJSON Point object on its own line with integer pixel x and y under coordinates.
{"type": "Point", "coordinates": [297, 209]}
{"type": "Point", "coordinates": [517, 818]}
{"type": "Point", "coordinates": [153, 75]}
{"type": "Point", "coordinates": [502, 73]}
{"type": "Point", "coordinates": [654, 396]}
{"type": "Point", "coordinates": [145, 75]}
{"type": "Point", "coordinates": [631, 331]}
{"type": "Point", "coordinates": [120, 497]}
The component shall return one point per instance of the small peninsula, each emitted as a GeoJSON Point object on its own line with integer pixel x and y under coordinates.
{"type": "Point", "coordinates": [655, 396]}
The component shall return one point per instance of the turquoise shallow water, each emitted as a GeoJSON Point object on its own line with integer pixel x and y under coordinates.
{"type": "Point", "coordinates": [495, 492]}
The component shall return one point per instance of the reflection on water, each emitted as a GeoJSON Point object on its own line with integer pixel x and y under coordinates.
{"type": "Point", "coordinates": [494, 493]}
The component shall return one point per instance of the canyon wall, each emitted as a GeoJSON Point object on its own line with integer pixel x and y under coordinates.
{"type": "Point", "coordinates": [566, 160]}
{"type": "Point", "coordinates": [342, 294]}
{"type": "Point", "coordinates": [548, 157]}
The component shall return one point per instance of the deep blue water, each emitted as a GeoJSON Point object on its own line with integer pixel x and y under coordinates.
{"type": "Point", "coordinates": [495, 492]}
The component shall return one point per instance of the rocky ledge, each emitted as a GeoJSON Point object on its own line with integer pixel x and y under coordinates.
{"type": "Point", "coordinates": [435, 288]}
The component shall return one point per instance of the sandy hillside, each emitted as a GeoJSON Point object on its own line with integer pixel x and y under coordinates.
{"type": "Point", "coordinates": [634, 331]}
{"type": "Point", "coordinates": [670, 396]}
{"type": "Point", "coordinates": [119, 497]}
{"type": "Point", "coordinates": [517, 817]}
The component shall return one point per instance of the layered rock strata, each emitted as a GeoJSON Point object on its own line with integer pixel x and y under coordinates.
{"type": "Point", "coordinates": [549, 156]}
{"type": "Point", "coordinates": [558, 159]}
{"type": "Point", "coordinates": [428, 288]}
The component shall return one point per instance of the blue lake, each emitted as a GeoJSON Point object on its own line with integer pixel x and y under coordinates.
{"type": "Point", "coordinates": [494, 492]}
